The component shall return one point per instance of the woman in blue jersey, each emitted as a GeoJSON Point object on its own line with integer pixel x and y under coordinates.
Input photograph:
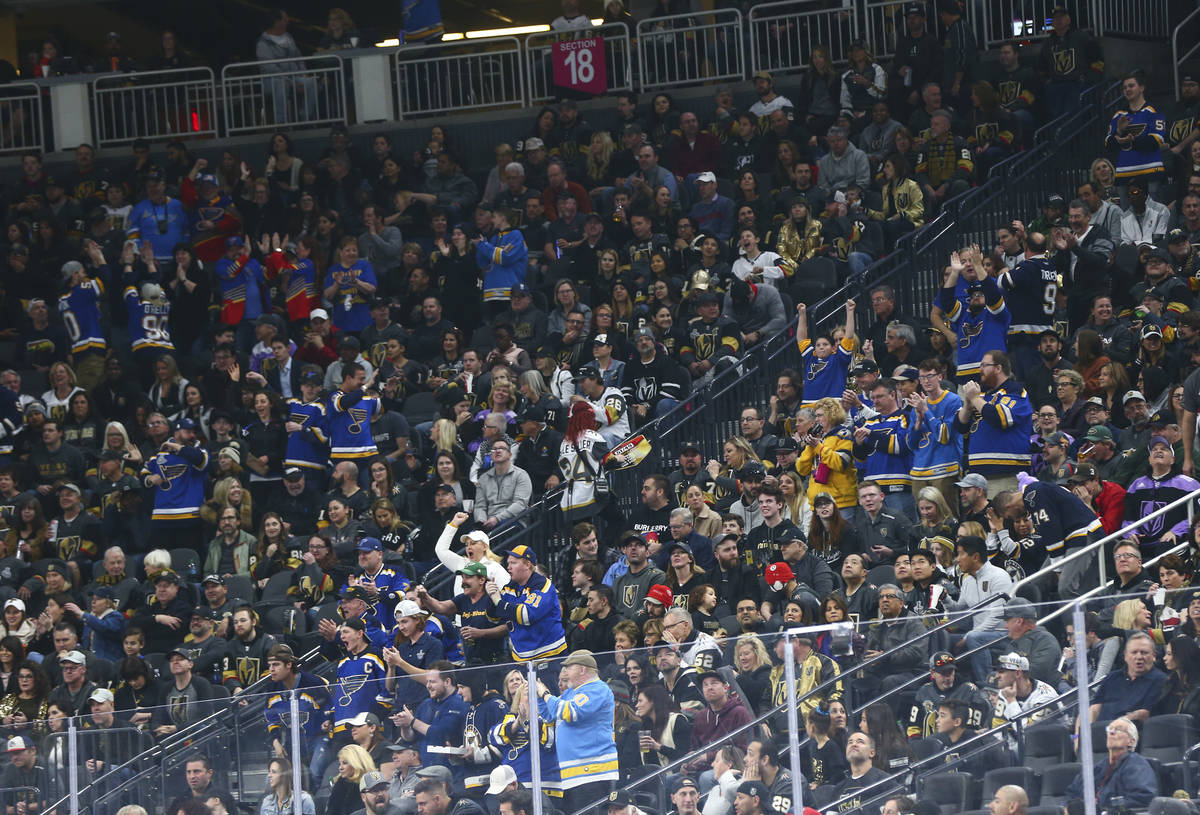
{"type": "Point", "coordinates": [826, 365]}
{"type": "Point", "coordinates": [351, 282]}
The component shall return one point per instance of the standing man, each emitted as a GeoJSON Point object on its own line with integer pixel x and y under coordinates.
{"type": "Point", "coordinates": [1030, 292]}
{"type": "Point", "coordinates": [935, 443]}
{"type": "Point", "coordinates": [529, 604]}
{"type": "Point", "coordinates": [349, 419]}
{"type": "Point", "coordinates": [997, 419]}
{"type": "Point", "coordinates": [1062, 523]}
{"type": "Point", "coordinates": [177, 475]}
{"type": "Point", "coordinates": [1138, 132]}
{"type": "Point", "coordinates": [587, 751]}
{"type": "Point", "coordinates": [1070, 61]}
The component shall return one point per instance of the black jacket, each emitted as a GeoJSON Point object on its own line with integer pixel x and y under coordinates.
{"type": "Point", "coordinates": [539, 457]}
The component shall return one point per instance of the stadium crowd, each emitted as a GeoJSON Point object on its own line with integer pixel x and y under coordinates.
{"type": "Point", "coordinates": [285, 400]}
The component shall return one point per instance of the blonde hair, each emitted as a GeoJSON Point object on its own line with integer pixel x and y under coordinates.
{"type": "Point", "coordinates": [71, 378]}
{"type": "Point", "coordinates": [360, 761]}
{"type": "Point", "coordinates": [1125, 614]}
{"type": "Point", "coordinates": [157, 560]}
{"type": "Point", "coordinates": [934, 496]}
{"type": "Point", "coordinates": [222, 488]}
{"type": "Point", "coordinates": [174, 377]}
{"type": "Point", "coordinates": [119, 428]}
{"type": "Point", "coordinates": [752, 642]}
{"type": "Point", "coordinates": [444, 435]}
{"type": "Point", "coordinates": [796, 502]}
{"type": "Point", "coordinates": [971, 528]}
{"type": "Point", "coordinates": [131, 809]}
{"type": "Point", "coordinates": [742, 446]}
{"type": "Point", "coordinates": [596, 168]}
{"type": "Point", "coordinates": [835, 414]}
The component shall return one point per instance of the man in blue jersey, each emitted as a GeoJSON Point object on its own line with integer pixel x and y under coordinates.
{"type": "Point", "coordinates": [314, 704]}
{"type": "Point", "coordinates": [80, 312]}
{"type": "Point", "coordinates": [349, 419]}
{"type": "Point", "coordinates": [1031, 293]}
{"type": "Point", "coordinates": [1062, 524]}
{"type": "Point", "coordinates": [936, 445]}
{"type": "Point", "coordinates": [587, 752]}
{"type": "Point", "coordinates": [881, 449]}
{"type": "Point", "coordinates": [177, 475]}
{"type": "Point", "coordinates": [997, 419]}
{"type": "Point", "coordinates": [1138, 132]}
{"type": "Point", "coordinates": [160, 221]}
{"type": "Point", "coordinates": [983, 324]}
{"type": "Point", "coordinates": [529, 604]}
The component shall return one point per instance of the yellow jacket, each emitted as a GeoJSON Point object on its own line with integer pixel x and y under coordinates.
{"type": "Point", "coordinates": [796, 247]}
{"type": "Point", "coordinates": [904, 198]}
{"type": "Point", "coordinates": [836, 451]}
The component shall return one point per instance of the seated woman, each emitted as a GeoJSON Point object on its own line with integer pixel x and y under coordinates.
{"type": "Point", "coordinates": [1182, 691]}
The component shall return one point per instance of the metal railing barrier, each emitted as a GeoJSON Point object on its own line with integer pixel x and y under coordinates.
{"type": "Point", "coordinates": [459, 76]}
{"type": "Point", "coordinates": [154, 105]}
{"type": "Point", "coordinates": [618, 59]}
{"type": "Point", "coordinates": [685, 49]}
{"type": "Point", "coordinates": [21, 125]}
{"type": "Point", "coordinates": [783, 35]}
{"type": "Point", "coordinates": [1189, 28]}
{"type": "Point", "coordinates": [265, 95]}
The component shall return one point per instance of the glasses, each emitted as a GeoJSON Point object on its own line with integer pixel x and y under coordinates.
{"type": "Point", "coordinates": [888, 597]}
{"type": "Point", "coordinates": [929, 377]}
{"type": "Point", "coordinates": [1126, 556]}
{"type": "Point", "coordinates": [672, 625]}
{"type": "Point", "coordinates": [983, 365]}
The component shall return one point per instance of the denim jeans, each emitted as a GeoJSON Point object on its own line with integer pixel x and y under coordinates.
{"type": "Point", "coordinates": [981, 661]}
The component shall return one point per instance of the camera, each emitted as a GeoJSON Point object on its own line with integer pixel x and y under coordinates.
{"type": "Point", "coordinates": [162, 227]}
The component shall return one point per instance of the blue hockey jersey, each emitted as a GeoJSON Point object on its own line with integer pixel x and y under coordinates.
{"type": "Point", "coordinates": [511, 738]}
{"type": "Point", "coordinates": [80, 312]}
{"type": "Point", "coordinates": [315, 706]}
{"type": "Point", "coordinates": [503, 260]}
{"type": "Point", "coordinates": [583, 734]}
{"type": "Point", "coordinates": [977, 333]}
{"type": "Point", "coordinates": [1062, 520]}
{"type": "Point", "coordinates": [308, 449]}
{"type": "Point", "coordinates": [999, 436]}
{"type": "Point", "coordinates": [1143, 157]}
{"type": "Point", "coordinates": [179, 496]}
{"type": "Point", "coordinates": [149, 324]}
{"type": "Point", "coordinates": [1030, 290]}
{"type": "Point", "coordinates": [360, 679]}
{"type": "Point", "coordinates": [885, 458]}
{"type": "Point", "coordinates": [349, 422]}
{"type": "Point", "coordinates": [825, 377]}
{"type": "Point", "coordinates": [936, 446]}
{"type": "Point", "coordinates": [534, 619]}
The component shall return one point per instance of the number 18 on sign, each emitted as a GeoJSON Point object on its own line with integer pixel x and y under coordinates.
{"type": "Point", "coordinates": [579, 65]}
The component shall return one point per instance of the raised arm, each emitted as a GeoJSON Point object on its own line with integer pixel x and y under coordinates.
{"type": "Point", "coordinates": [801, 322]}
{"type": "Point", "coordinates": [850, 306]}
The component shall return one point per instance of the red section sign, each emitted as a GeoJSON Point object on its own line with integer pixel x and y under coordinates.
{"type": "Point", "coordinates": [580, 66]}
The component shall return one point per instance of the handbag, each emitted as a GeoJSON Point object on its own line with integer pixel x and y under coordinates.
{"type": "Point", "coordinates": [600, 486]}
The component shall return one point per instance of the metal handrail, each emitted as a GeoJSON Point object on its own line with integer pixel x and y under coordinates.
{"type": "Point", "coordinates": [760, 13]}
{"type": "Point", "coordinates": [646, 32]}
{"type": "Point", "coordinates": [540, 43]}
{"type": "Point", "coordinates": [1176, 59]}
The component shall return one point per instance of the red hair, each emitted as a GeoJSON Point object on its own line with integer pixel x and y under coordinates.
{"type": "Point", "coordinates": [582, 419]}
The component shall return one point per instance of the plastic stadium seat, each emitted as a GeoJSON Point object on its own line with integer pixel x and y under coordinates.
{"type": "Point", "coordinates": [1023, 777]}
{"type": "Point", "coordinates": [420, 407]}
{"type": "Point", "coordinates": [1044, 810]}
{"type": "Point", "coordinates": [186, 564]}
{"type": "Point", "coordinates": [1048, 743]}
{"type": "Point", "coordinates": [925, 748]}
{"type": "Point", "coordinates": [951, 791]}
{"type": "Point", "coordinates": [1166, 737]}
{"type": "Point", "coordinates": [1055, 780]}
{"type": "Point", "coordinates": [240, 587]}
{"type": "Point", "coordinates": [275, 592]}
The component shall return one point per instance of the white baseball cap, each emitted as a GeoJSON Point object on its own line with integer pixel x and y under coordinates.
{"type": "Point", "coordinates": [16, 603]}
{"type": "Point", "coordinates": [408, 608]}
{"type": "Point", "coordinates": [500, 778]}
{"type": "Point", "coordinates": [318, 314]}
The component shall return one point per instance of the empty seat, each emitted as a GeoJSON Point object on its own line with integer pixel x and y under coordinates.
{"type": "Point", "coordinates": [1023, 777]}
{"type": "Point", "coordinates": [1055, 780]}
{"type": "Point", "coordinates": [1166, 737]}
{"type": "Point", "coordinates": [186, 564]}
{"type": "Point", "coordinates": [925, 748]}
{"type": "Point", "coordinates": [420, 407]}
{"type": "Point", "coordinates": [240, 587]}
{"type": "Point", "coordinates": [1048, 743]}
{"type": "Point", "coordinates": [951, 791]}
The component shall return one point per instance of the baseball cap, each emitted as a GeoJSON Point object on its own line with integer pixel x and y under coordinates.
{"type": "Point", "coordinates": [371, 780]}
{"type": "Point", "coordinates": [370, 544]}
{"type": "Point", "coordinates": [15, 602]}
{"type": "Point", "coordinates": [706, 176]}
{"type": "Point", "coordinates": [408, 608]}
{"type": "Point", "coordinates": [658, 593]}
{"type": "Point", "coordinates": [620, 799]}
{"type": "Point", "coordinates": [523, 552]}
{"type": "Point", "coordinates": [72, 487]}
{"type": "Point", "coordinates": [355, 593]}
{"type": "Point", "coordinates": [786, 444]}
{"type": "Point", "coordinates": [206, 612]}
{"type": "Point", "coordinates": [1131, 396]}
{"type": "Point", "coordinates": [212, 578]}
{"type": "Point", "coordinates": [753, 788]}
{"type": "Point", "coordinates": [1099, 433]}
{"type": "Point", "coordinates": [234, 240]}
{"type": "Point", "coordinates": [101, 695]}
{"type": "Point", "coordinates": [500, 778]}
{"type": "Point", "coordinates": [1058, 437]}
{"type": "Point", "coordinates": [365, 717]}
{"type": "Point", "coordinates": [293, 474]}
{"type": "Point", "coordinates": [475, 535]}
{"type": "Point", "coordinates": [1094, 401]}
{"type": "Point", "coordinates": [864, 366]}
{"type": "Point", "coordinates": [1083, 472]}
{"type": "Point", "coordinates": [906, 372]}
{"type": "Point", "coordinates": [682, 545]}
{"type": "Point", "coordinates": [318, 314]}
{"type": "Point", "coordinates": [438, 771]}
{"type": "Point", "coordinates": [1151, 330]}
{"type": "Point", "coordinates": [1013, 662]}
{"type": "Point", "coordinates": [689, 445]}
{"type": "Point", "coordinates": [1159, 440]}
{"type": "Point", "coordinates": [581, 657]}
{"type": "Point", "coordinates": [1018, 608]}
{"type": "Point", "coordinates": [914, 8]}
{"type": "Point", "coordinates": [474, 569]}
{"type": "Point", "coordinates": [778, 575]}
{"type": "Point", "coordinates": [35, 407]}
{"type": "Point", "coordinates": [588, 371]}
{"type": "Point", "coordinates": [644, 331]}
{"type": "Point", "coordinates": [1055, 200]}
{"type": "Point", "coordinates": [74, 657]}
{"type": "Point", "coordinates": [763, 75]}
{"type": "Point", "coordinates": [183, 424]}
{"type": "Point", "coordinates": [104, 593]}
{"type": "Point", "coordinates": [602, 339]}
{"type": "Point", "coordinates": [972, 480]}
{"type": "Point", "coordinates": [167, 575]}
{"type": "Point", "coordinates": [708, 298]}
{"type": "Point", "coordinates": [180, 651]}
{"type": "Point", "coordinates": [531, 413]}
{"type": "Point", "coordinates": [1176, 235]}
{"type": "Point", "coordinates": [519, 289]}
{"type": "Point", "coordinates": [753, 470]}
{"type": "Point", "coordinates": [534, 144]}
{"type": "Point", "coordinates": [942, 662]}
{"type": "Point", "coordinates": [1158, 253]}
{"type": "Point", "coordinates": [18, 743]}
